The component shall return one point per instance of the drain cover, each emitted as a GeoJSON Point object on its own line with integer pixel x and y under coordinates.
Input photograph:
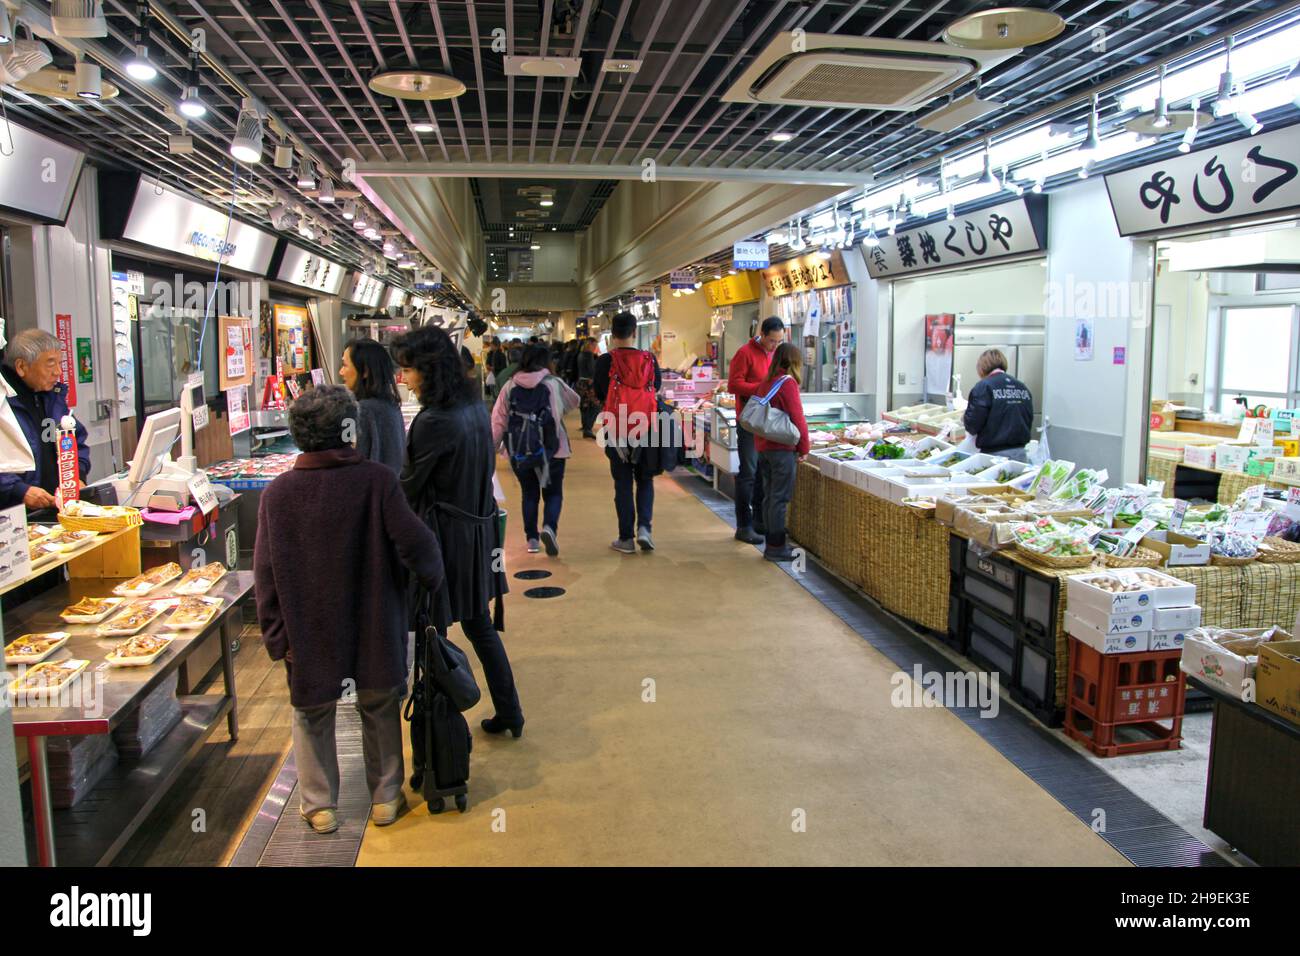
{"type": "Point", "coordinates": [543, 592]}
{"type": "Point", "coordinates": [536, 574]}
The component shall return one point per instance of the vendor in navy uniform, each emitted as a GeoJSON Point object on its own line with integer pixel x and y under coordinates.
{"type": "Point", "coordinates": [1001, 410]}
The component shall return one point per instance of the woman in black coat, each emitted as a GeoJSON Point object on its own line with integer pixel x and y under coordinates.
{"type": "Point", "coordinates": [450, 459]}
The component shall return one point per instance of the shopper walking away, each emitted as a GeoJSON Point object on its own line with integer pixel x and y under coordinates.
{"type": "Point", "coordinates": [334, 539]}
{"type": "Point", "coordinates": [627, 382]}
{"type": "Point", "coordinates": [586, 389]}
{"type": "Point", "coordinates": [369, 374]}
{"type": "Point", "coordinates": [496, 363]}
{"type": "Point", "coordinates": [528, 421]}
{"type": "Point", "coordinates": [570, 371]}
{"type": "Point", "coordinates": [448, 481]}
{"type": "Point", "coordinates": [1000, 413]}
{"type": "Point", "coordinates": [745, 376]}
{"type": "Point", "coordinates": [778, 463]}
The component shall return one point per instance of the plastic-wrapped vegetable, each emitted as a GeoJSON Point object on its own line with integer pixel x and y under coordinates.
{"type": "Point", "coordinates": [1280, 526]}
{"type": "Point", "coordinates": [1228, 544]}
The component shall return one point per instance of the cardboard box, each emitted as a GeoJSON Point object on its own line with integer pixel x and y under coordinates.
{"type": "Point", "coordinates": [1277, 679]}
{"type": "Point", "coordinates": [1177, 549]}
{"type": "Point", "coordinates": [1287, 468]}
{"type": "Point", "coordinates": [1172, 640]}
{"type": "Point", "coordinates": [1124, 622]}
{"type": "Point", "coordinates": [1199, 456]}
{"type": "Point", "coordinates": [1080, 593]}
{"type": "Point", "coordinates": [1176, 593]}
{"type": "Point", "coordinates": [1176, 618]}
{"type": "Point", "coordinates": [1163, 414]}
{"type": "Point", "coordinates": [1128, 643]}
{"type": "Point", "coordinates": [1225, 659]}
{"type": "Point", "coordinates": [1230, 456]}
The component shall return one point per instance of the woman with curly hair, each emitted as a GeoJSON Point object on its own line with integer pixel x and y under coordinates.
{"type": "Point", "coordinates": [450, 460]}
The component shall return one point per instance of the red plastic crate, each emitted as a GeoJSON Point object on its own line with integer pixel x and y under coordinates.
{"type": "Point", "coordinates": [1108, 693]}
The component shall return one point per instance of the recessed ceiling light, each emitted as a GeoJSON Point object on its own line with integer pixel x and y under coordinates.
{"type": "Point", "coordinates": [546, 202]}
{"type": "Point", "coordinates": [542, 65]}
{"type": "Point", "coordinates": [620, 66]}
{"type": "Point", "coordinates": [534, 246]}
{"type": "Point", "coordinates": [781, 137]}
{"type": "Point", "coordinates": [422, 127]}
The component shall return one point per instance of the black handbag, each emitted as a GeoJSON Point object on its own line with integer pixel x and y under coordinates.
{"type": "Point", "coordinates": [450, 671]}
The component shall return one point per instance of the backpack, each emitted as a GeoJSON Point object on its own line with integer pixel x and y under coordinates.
{"type": "Point", "coordinates": [531, 435]}
{"type": "Point", "coordinates": [631, 402]}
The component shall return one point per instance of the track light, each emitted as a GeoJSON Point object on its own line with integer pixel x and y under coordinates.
{"type": "Point", "coordinates": [421, 127]}
{"type": "Point", "coordinates": [1091, 143]}
{"type": "Point", "coordinates": [1161, 118]}
{"type": "Point", "coordinates": [1293, 82]}
{"type": "Point", "coordinates": [1247, 120]}
{"type": "Point", "coordinates": [326, 190]}
{"type": "Point", "coordinates": [349, 210]}
{"type": "Point", "coordinates": [284, 156]}
{"type": "Point", "coordinates": [1224, 104]}
{"type": "Point", "coordinates": [279, 214]}
{"type": "Point", "coordinates": [138, 67]}
{"type": "Point", "coordinates": [871, 240]}
{"type": "Point", "coordinates": [371, 232]}
{"type": "Point", "coordinates": [1189, 137]}
{"type": "Point", "coordinates": [246, 146]}
{"type": "Point", "coordinates": [987, 179]}
{"type": "Point", "coordinates": [360, 221]}
{"type": "Point", "coordinates": [1085, 169]}
{"type": "Point", "coordinates": [192, 104]}
{"type": "Point", "coordinates": [306, 176]}
{"type": "Point", "coordinates": [80, 19]}
{"type": "Point", "coordinates": [951, 214]}
{"type": "Point", "coordinates": [90, 85]}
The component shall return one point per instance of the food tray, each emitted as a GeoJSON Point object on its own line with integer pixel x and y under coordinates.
{"type": "Point", "coordinates": [1140, 558]}
{"type": "Point", "coordinates": [118, 656]}
{"type": "Point", "coordinates": [200, 580]}
{"type": "Point", "coordinates": [109, 605]}
{"type": "Point", "coordinates": [1278, 551]}
{"type": "Point", "coordinates": [65, 671]}
{"type": "Point", "coordinates": [193, 613]}
{"type": "Point", "coordinates": [57, 639]}
{"type": "Point", "coordinates": [1052, 561]}
{"type": "Point", "coordinates": [151, 580]}
{"type": "Point", "coordinates": [132, 619]}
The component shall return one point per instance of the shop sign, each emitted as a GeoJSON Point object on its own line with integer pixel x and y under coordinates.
{"type": "Point", "coordinates": [166, 219]}
{"type": "Point", "coordinates": [806, 272]}
{"type": "Point", "coordinates": [365, 289]}
{"type": "Point", "coordinates": [1008, 229]}
{"type": "Point", "coordinates": [643, 293]}
{"type": "Point", "coordinates": [67, 353]}
{"type": "Point", "coordinates": [1258, 174]}
{"type": "Point", "coordinates": [395, 299]}
{"type": "Point", "coordinates": [681, 279]}
{"type": "Point", "coordinates": [304, 268]}
{"type": "Point", "coordinates": [38, 176]}
{"type": "Point", "coordinates": [732, 290]}
{"type": "Point", "coordinates": [750, 255]}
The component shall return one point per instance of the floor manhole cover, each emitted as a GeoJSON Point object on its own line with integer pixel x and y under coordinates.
{"type": "Point", "coordinates": [535, 574]}
{"type": "Point", "coordinates": [543, 592]}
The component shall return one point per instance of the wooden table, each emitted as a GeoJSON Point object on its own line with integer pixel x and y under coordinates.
{"type": "Point", "coordinates": [75, 839]}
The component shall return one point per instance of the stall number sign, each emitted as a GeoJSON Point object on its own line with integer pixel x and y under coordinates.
{"type": "Point", "coordinates": [203, 494]}
{"type": "Point", "coordinates": [68, 490]}
{"type": "Point", "coordinates": [1226, 181]}
{"type": "Point", "coordinates": [750, 255]}
{"type": "Point", "coordinates": [681, 279]}
{"type": "Point", "coordinates": [1003, 230]}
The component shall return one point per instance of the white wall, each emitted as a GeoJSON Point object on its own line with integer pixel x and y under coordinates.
{"type": "Point", "coordinates": [557, 260]}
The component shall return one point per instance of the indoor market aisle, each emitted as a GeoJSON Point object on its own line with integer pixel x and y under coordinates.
{"type": "Point", "coordinates": [765, 704]}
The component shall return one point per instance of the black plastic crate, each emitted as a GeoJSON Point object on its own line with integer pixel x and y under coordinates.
{"type": "Point", "coordinates": [958, 636]}
{"type": "Point", "coordinates": [989, 594]}
{"type": "Point", "coordinates": [956, 555]}
{"type": "Point", "coordinates": [1035, 683]}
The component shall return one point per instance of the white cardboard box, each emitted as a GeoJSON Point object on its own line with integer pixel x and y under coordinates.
{"type": "Point", "coordinates": [1171, 640]}
{"type": "Point", "coordinates": [1199, 456]}
{"type": "Point", "coordinates": [1207, 661]}
{"type": "Point", "coordinates": [1128, 643]}
{"type": "Point", "coordinates": [1177, 618]}
{"type": "Point", "coordinates": [1231, 457]}
{"type": "Point", "coordinates": [1079, 593]}
{"type": "Point", "coordinates": [1123, 622]}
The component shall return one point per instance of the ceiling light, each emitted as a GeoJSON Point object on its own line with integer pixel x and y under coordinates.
{"type": "Point", "coordinates": [80, 19]}
{"type": "Point", "coordinates": [951, 215]}
{"type": "Point", "coordinates": [1003, 28]}
{"type": "Point", "coordinates": [6, 29]}
{"type": "Point", "coordinates": [284, 156]}
{"type": "Point", "coordinates": [1253, 125]}
{"type": "Point", "coordinates": [405, 261]}
{"type": "Point", "coordinates": [543, 65]}
{"type": "Point", "coordinates": [534, 247]}
{"type": "Point", "coordinates": [349, 210]}
{"type": "Point", "coordinates": [180, 144]}
{"type": "Point", "coordinates": [23, 58]}
{"type": "Point", "coordinates": [1091, 143]}
{"type": "Point", "coordinates": [422, 127]}
{"type": "Point", "coordinates": [90, 85]}
{"type": "Point", "coordinates": [306, 176]}
{"type": "Point", "coordinates": [781, 137]}
{"type": "Point", "coordinates": [370, 232]}
{"type": "Point", "coordinates": [546, 202]}
{"type": "Point", "coordinates": [191, 104]}
{"type": "Point", "coordinates": [246, 146]}
{"type": "Point", "coordinates": [416, 85]}
{"type": "Point", "coordinates": [620, 66]}
{"type": "Point", "coordinates": [138, 67]}
{"type": "Point", "coordinates": [988, 165]}
{"type": "Point", "coordinates": [1084, 169]}
{"type": "Point", "coordinates": [326, 190]}
{"type": "Point", "coordinates": [1161, 118]}
{"type": "Point", "coordinates": [1223, 105]}
{"type": "Point", "coordinates": [871, 240]}
{"type": "Point", "coordinates": [360, 222]}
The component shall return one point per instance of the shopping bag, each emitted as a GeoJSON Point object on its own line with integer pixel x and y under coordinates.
{"type": "Point", "coordinates": [15, 453]}
{"type": "Point", "coordinates": [1042, 453]}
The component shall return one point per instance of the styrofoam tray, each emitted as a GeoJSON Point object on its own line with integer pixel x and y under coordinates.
{"type": "Point", "coordinates": [115, 660]}
{"type": "Point", "coordinates": [17, 658]}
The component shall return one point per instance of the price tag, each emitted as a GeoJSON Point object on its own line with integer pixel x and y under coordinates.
{"type": "Point", "coordinates": [1264, 432]}
{"type": "Point", "coordinates": [1292, 508]}
{"type": "Point", "coordinates": [1180, 514]}
{"type": "Point", "coordinates": [1140, 530]}
{"type": "Point", "coordinates": [1250, 499]}
{"type": "Point", "coordinates": [1246, 433]}
{"type": "Point", "coordinates": [1112, 506]}
{"type": "Point", "coordinates": [203, 494]}
{"type": "Point", "coordinates": [946, 431]}
{"type": "Point", "coordinates": [1251, 523]}
{"type": "Point", "coordinates": [201, 417]}
{"type": "Point", "coordinates": [134, 282]}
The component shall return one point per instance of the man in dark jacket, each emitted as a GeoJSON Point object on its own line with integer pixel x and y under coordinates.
{"type": "Point", "coordinates": [32, 369]}
{"type": "Point", "coordinates": [1000, 413]}
{"type": "Point", "coordinates": [334, 539]}
{"type": "Point", "coordinates": [585, 388]}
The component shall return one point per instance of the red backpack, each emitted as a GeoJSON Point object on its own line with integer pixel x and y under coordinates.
{"type": "Point", "coordinates": [631, 402]}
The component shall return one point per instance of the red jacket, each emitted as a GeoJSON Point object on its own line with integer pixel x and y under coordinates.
{"type": "Point", "coordinates": [748, 372]}
{"type": "Point", "coordinates": [788, 399]}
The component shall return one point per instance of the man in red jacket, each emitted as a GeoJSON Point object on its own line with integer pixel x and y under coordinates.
{"type": "Point", "coordinates": [746, 376]}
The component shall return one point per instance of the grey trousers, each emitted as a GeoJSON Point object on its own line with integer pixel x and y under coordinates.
{"type": "Point", "coordinates": [316, 755]}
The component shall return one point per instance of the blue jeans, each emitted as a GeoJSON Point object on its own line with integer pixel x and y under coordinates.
{"type": "Point", "coordinates": [533, 492]}
{"type": "Point", "coordinates": [778, 469]}
{"type": "Point", "coordinates": [634, 511]}
{"type": "Point", "coordinates": [749, 483]}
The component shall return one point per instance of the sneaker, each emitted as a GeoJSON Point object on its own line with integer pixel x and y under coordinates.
{"type": "Point", "coordinates": [534, 546]}
{"type": "Point", "coordinates": [322, 821]}
{"type": "Point", "coordinates": [624, 546]}
{"type": "Point", "coordinates": [749, 536]}
{"type": "Point", "coordinates": [643, 538]}
{"type": "Point", "coordinates": [385, 813]}
{"type": "Point", "coordinates": [549, 539]}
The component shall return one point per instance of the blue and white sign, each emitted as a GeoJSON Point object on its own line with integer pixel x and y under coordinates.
{"type": "Point", "coordinates": [681, 279]}
{"type": "Point", "coordinates": [750, 255]}
{"type": "Point", "coordinates": [644, 293]}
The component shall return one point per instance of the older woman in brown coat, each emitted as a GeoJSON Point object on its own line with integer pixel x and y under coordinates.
{"type": "Point", "coordinates": [334, 539]}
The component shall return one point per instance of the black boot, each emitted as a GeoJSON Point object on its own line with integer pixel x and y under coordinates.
{"type": "Point", "coordinates": [777, 548]}
{"type": "Point", "coordinates": [495, 725]}
{"type": "Point", "coordinates": [749, 536]}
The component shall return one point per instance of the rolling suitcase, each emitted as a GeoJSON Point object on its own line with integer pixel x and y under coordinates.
{"type": "Point", "coordinates": [440, 737]}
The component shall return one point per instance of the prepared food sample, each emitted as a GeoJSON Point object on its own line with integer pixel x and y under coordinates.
{"type": "Point", "coordinates": [90, 610]}
{"type": "Point", "coordinates": [133, 618]}
{"type": "Point", "coordinates": [67, 540]}
{"type": "Point", "coordinates": [49, 676]}
{"type": "Point", "coordinates": [153, 578]}
{"type": "Point", "coordinates": [38, 532]}
{"type": "Point", "coordinates": [140, 650]}
{"type": "Point", "coordinates": [85, 509]}
{"type": "Point", "coordinates": [193, 612]}
{"type": "Point", "coordinates": [201, 580]}
{"type": "Point", "coordinates": [31, 648]}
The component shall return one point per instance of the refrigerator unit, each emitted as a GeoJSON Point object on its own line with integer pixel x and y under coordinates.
{"type": "Point", "coordinates": [1020, 337]}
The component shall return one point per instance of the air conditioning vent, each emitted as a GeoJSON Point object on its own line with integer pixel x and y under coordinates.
{"type": "Point", "coordinates": [858, 72]}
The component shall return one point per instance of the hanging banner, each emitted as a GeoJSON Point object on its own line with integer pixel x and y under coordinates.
{"type": "Point", "coordinates": [681, 279]}
{"type": "Point", "coordinates": [236, 338]}
{"type": "Point", "coordinates": [939, 330]}
{"type": "Point", "coordinates": [1217, 184]}
{"type": "Point", "coordinates": [806, 272]}
{"type": "Point", "coordinates": [750, 255]}
{"type": "Point", "coordinates": [1009, 229]}
{"type": "Point", "coordinates": [67, 356]}
{"type": "Point", "coordinates": [291, 338]}
{"type": "Point", "coordinates": [237, 414]}
{"type": "Point", "coordinates": [68, 465]}
{"type": "Point", "coordinates": [733, 290]}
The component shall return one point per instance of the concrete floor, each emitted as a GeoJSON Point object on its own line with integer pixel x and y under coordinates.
{"type": "Point", "coordinates": [697, 706]}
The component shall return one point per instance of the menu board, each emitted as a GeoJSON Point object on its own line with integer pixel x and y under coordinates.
{"type": "Point", "coordinates": [291, 338]}
{"type": "Point", "coordinates": [236, 332]}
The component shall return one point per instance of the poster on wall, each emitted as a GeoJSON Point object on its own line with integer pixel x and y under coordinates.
{"type": "Point", "coordinates": [67, 356]}
{"type": "Point", "coordinates": [236, 336]}
{"type": "Point", "coordinates": [1083, 333]}
{"type": "Point", "coordinates": [237, 409]}
{"type": "Point", "coordinates": [85, 363]}
{"type": "Point", "coordinates": [124, 313]}
{"type": "Point", "coordinates": [938, 353]}
{"type": "Point", "coordinates": [291, 338]}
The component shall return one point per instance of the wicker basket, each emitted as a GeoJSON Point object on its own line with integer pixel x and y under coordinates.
{"type": "Point", "coordinates": [1141, 558]}
{"type": "Point", "coordinates": [1278, 551]}
{"type": "Point", "coordinates": [102, 525]}
{"type": "Point", "coordinates": [1226, 562]}
{"type": "Point", "coordinates": [1052, 561]}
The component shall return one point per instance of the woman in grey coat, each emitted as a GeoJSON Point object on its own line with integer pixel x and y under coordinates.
{"type": "Point", "coordinates": [370, 375]}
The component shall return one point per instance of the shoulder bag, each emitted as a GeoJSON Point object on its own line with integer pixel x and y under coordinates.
{"type": "Point", "coordinates": [760, 418]}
